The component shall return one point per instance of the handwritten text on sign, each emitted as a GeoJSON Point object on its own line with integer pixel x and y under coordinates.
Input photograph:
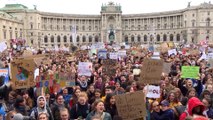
{"type": "Point", "coordinates": [131, 106]}
{"type": "Point", "coordinates": [151, 71]}
{"type": "Point", "coordinates": [153, 91]}
{"type": "Point", "coordinates": [190, 72]}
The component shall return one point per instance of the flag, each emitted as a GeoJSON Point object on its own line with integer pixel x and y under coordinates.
{"type": "Point", "coordinates": [74, 34]}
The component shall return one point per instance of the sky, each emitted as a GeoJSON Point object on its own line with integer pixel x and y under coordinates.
{"type": "Point", "coordinates": [94, 6]}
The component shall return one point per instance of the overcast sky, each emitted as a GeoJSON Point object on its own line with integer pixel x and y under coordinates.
{"type": "Point", "coordinates": [94, 6]}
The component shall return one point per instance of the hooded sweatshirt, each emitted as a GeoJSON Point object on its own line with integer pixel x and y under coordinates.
{"type": "Point", "coordinates": [192, 103]}
{"type": "Point", "coordinates": [37, 110]}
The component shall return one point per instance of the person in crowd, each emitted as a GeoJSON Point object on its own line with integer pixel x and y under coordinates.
{"type": "Point", "coordinates": [20, 106]}
{"type": "Point", "coordinates": [107, 90]}
{"type": "Point", "coordinates": [28, 100]}
{"type": "Point", "coordinates": [42, 107]}
{"type": "Point", "coordinates": [74, 98]}
{"type": "Point", "coordinates": [99, 111]}
{"type": "Point", "coordinates": [167, 112]}
{"type": "Point", "coordinates": [90, 93]}
{"type": "Point", "coordinates": [110, 105]}
{"type": "Point", "coordinates": [118, 89]}
{"type": "Point", "coordinates": [195, 107]}
{"type": "Point", "coordinates": [82, 108]}
{"type": "Point", "coordinates": [97, 96]}
{"type": "Point", "coordinates": [180, 109]}
{"type": "Point", "coordinates": [178, 94]}
{"type": "Point", "coordinates": [10, 115]}
{"type": "Point", "coordinates": [191, 93]}
{"type": "Point", "coordinates": [57, 105]}
{"type": "Point", "coordinates": [156, 111]}
{"type": "Point", "coordinates": [84, 83]}
{"type": "Point", "coordinates": [209, 110]}
{"type": "Point", "coordinates": [42, 116]}
{"type": "Point", "coordinates": [66, 95]}
{"type": "Point", "coordinates": [173, 100]}
{"type": "Point", "coordinates": [168, 85]}
{"type": "Point", "coordinates": [205, 94]}
{"type": "Point", "coordinates": [64, 113]}
{"type": "Point", "coordinates": [99, 83]}
{"type": "Point", "coordinates": [11, 100]}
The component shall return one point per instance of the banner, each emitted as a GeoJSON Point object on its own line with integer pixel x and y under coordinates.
{"type": "Point", "coordinates": [153, 91]}
{"type": "Point", "coordinates": [151, 71]}
{"type": "Point", "coordinates": [23, 73]}
{"type": "Point", "coordinates": [113, 55]}
{"type": "Point", "coordinates": [84, 68]}
{"type": "Point", "coordinates": [190, 72]}
{"type": "Point", "coordinates": [131, 106]}
{"type": "Point", "coordinates": [4, 74]}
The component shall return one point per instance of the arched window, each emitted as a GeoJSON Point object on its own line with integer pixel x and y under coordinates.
{"type": "Point", "coordinates": [171, 37]}
{"type": "Point", "coordinates": [145, 38]}
{"type": "Point", "coordinates": [65, 39]}
{"type": "Point", "coordinates": [45, 39]}
{"type": "Point", "coordinates": [96, 38]}
{"type": "Point", "coordinates": [84, 39]}
{"type": "Point", "coordinates": [71, 38]}
{"type": "Point", "coordinates": [158, 37]}
{"type": "Point", "coordinates": [139, 38]}
{"type": "Point", "coordinates": [132, 38]}
{"type": "Point", "coordinates": [58, 39]}
{"type": "Point", "coordinates": [52, 39]}
{"type": "Point", "coordinates": [78, 39]}
{"type": "Point", "coordinates": [90, 38]}
{"type": "Point", "coordinates": [164, 37]}
{"type": "Point", "coordinates": [126, 39]}
{"type": "Point", "coordinates": [178, 37]}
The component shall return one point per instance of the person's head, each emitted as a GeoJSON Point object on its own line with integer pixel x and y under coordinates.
{"type": "Point", "coordinates": [195, 106]}
{"type": "Point", "coordinates": [41, 102]}
{"type": "Point", "coordinates": [19, 101]}
{"type": "Point", "coordinates": [60, 99]}
{"type": "Point", "coordinates": [117, 85]}
{"type": "Point", "coordinates": [64, 114]}
{"type": "Point", "coordinates": [164, 105]}
{"type": "Point", "coordinates": [91, 88]}
{"type": "Point", "coordinates": [178, 92]}
{"type": "Point", "coordinates": [97, 93]}
{"type": "Point", "coordinates": [82, 98]}
{"type": "Point", "coordinates": [25, 94]}
{"type": "Point", "coordinates": [108, 90]}
{"type": "Point", "coordinates": [110, 99]}
{"type": "Point", "coordinates": [209, 87]}
{"type": "Point", "coordinates": [205, 94]}
{"type": "Point", "coordinates": [42, 116]}
{"type": "Point", "coordinates": [99, 106]}
{"type": "Point", "coordinates": [12, 96]}
{"type": "Point", "coordinates": [155, 106]}
{"type": "Point", "coordinates": [65, 91]}
{"type": "Point", "coordinates": [77, 92]}
{"type": "Point", "coordinates": [83, 78]}
{"type": "Point", "coordinates": [130, 89]}
{"type": "Point", "coordinates": [191, 93]}
{"type": "Point", "coordinates": [189, 83]}
{"type": "Point", "coordinates": [207, 102]}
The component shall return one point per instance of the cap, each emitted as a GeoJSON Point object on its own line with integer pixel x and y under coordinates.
{"type": "Point", "coordinates": [165, 103]}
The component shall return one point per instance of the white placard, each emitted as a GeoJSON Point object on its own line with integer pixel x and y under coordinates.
{"type": "Point", "coordinates": [113, 55]}
{"type": "Point", "coordinates": [153, 91]}
{"type": "Point", "coordinates": [203, 57]}
{"type": "Point", "coordinates": [85, 68]}
{"type": "Point", "coordinates": [173, 51]}
{"type": "Point", "coordinates": [122, 53]}
{"type": "Point", "coordinates": [3, 46]}
{"type": "Point", "coordinates": [156, 55]}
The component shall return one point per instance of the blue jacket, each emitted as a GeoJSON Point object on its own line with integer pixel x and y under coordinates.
{"type": "Point", "coordinates": [163, 115]}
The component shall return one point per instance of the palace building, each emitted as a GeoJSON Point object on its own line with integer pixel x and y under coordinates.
{"type": "Point", "coordinates": [44, 29]}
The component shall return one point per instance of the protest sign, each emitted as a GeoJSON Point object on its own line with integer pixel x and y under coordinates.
{"type": "Point", "coordinates": [27, 53]}
{"type": "Point", "coordinates": [136, 71]}
{"type": "Point", "coordinates": [122, 53]}
{"type": "Point", "coordinates": [102, 54]}
{"type": "Point", "coordinates": [156, 55]}
{"type": "Point", "coordinates": [22, 73]}
{"type": "Point", "coordinates": [210, 56]}
{"type": "Point", "coordinates": [131, 106]}
{"type": "Point", "coordinates": [153, 91]}
{"type": "Point", "coordinates": [194, 52]}
{"type": "Point", "coordinates": [113, 55]}
{"type": "Point", "coordinates": [166, 67]}
{"type": "Point", "coordinates": [3, 46]}
{"type": "Point", "coordinates": [210, 61]}
{"type": "Point", "coordinates": [172, 52]}
{"type": "Point", "coordinates": [151, 71]}
{"type": "Point", "coordinates": [190, 72]}
{"type": "Point", "coordinates": [85, 68]}
{"type": "Point", "coordinates": [4, 74]}
{"type": "Point", "coordinates": [66, 79]}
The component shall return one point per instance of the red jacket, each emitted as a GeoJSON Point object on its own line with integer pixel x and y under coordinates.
{"type": "Point", "coordinates": [192, 103]}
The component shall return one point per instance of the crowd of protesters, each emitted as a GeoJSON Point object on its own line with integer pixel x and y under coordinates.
{"type": "Point", "coordinates": [93, 97]}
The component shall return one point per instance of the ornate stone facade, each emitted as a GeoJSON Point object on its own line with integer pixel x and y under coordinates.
{"type": "Point", "coordinates": [191, 24]}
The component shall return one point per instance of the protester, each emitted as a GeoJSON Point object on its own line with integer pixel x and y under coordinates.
{"type": "Point", "coordinates": [64, 113]}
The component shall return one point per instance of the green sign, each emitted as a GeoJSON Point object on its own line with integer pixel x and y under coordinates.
{"type": "Point", "coordinates": [190, 72]}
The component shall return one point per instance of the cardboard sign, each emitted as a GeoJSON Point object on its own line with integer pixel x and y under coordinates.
{"type": "Point", "coordinates": [4, 73]}
{"type": "Point", "coordinates": [136, 71]}
{"type": "Point", "coordinates": [84, 68]}
{"type": "Point", "coordinates": [27, 53]}
{"type": "Point", "coordinates": [166, 67]}
{"type": "Point", "coordinates": [66, 79]}
{"type": "Point", "coordinates": [194, 52]}
{"type": "Point", "coordinates": [23, 73]}
{"type": "Point", "coordinates": [131, 106]}
{"type": "Point", "coordinates": [153, 91]}
{"type": "Point", "coordinates": [151, 71]}
{"type": "Point", "coordinates": [190, 72]}
{"type": "Point", "coordinates": [113, 55]}
{"type": "Point", "coordinates": [102, 54]}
